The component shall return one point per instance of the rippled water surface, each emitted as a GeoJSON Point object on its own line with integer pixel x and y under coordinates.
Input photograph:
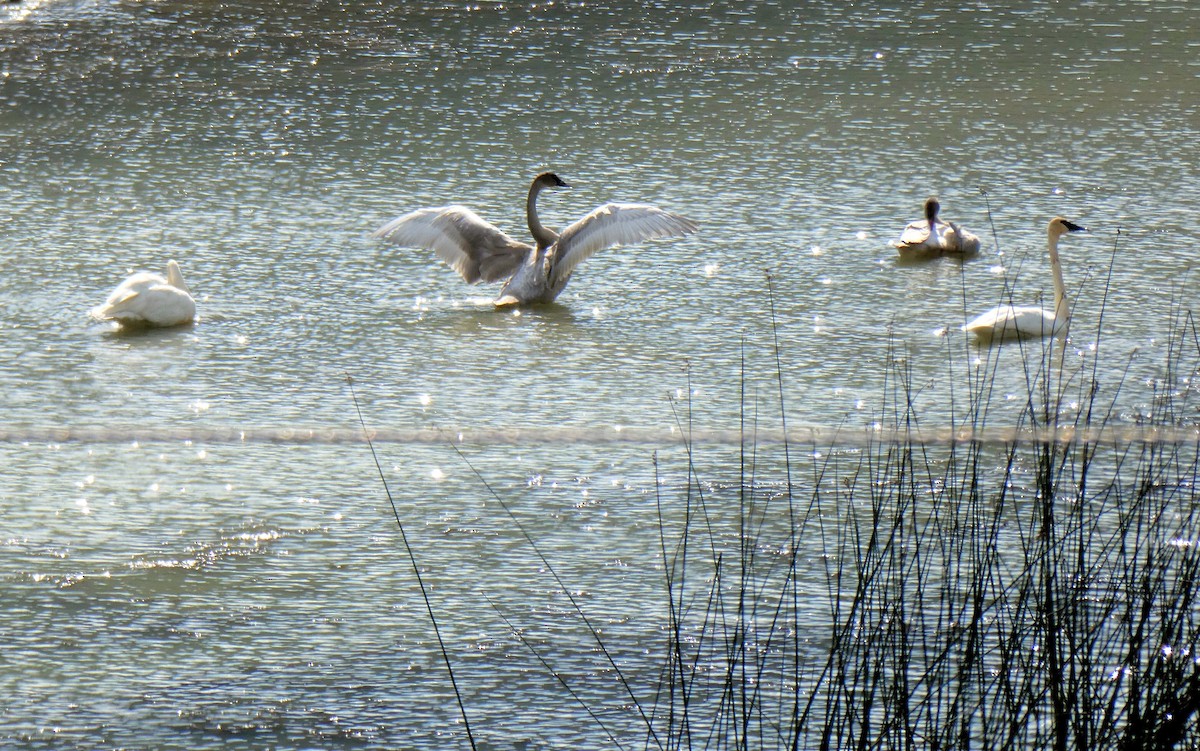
{"type": "Point", "coordinates": [166, 584]}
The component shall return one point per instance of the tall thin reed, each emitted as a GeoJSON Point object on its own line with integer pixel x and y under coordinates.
{"type": "Point", "coordinates": [412, 558]}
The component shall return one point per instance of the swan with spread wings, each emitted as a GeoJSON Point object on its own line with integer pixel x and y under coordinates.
{"type": "Point", "coordinates": [481, 252]}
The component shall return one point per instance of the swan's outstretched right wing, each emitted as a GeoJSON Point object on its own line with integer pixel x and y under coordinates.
{"type": "Point", "coordinates": [476, 249]}
{"type": "Point", "coordinates": [614, 224]}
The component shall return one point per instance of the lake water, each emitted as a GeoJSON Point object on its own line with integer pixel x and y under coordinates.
{"type": "Point", "coordinates": [194, 550]}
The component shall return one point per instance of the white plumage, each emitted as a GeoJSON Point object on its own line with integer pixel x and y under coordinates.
{"type": "Point", "coordinates": [931, 235]}
{"type": "Point", "coordinates": [148, 299]}
{"type": "Point", "coordinates": [1012, 322]}
{"type": "Point", "coordinates": [479, 251]}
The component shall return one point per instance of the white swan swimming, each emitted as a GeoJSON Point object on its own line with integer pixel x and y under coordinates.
{"type": "Point", "coordinates": [933, 236]}
{"type": "Point", "coordinates": [479, 251]}
{"type": "Point", "coordinates": [1008, 322]}
{"type": "Point", "coordinates": [148, 299]}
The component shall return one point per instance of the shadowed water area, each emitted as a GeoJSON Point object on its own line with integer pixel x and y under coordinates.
{"type": "Point", "coordinates": [194, 550]}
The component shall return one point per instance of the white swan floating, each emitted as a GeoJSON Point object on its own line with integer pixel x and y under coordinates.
{"type": "Point", "coordinates": [479, 251]}
{"type": "Point", "coordinates": [149, 300]}
{"type": "Point", "coordinates": [1007, 322]}
{"type": "Point", "coordinates": [933, 236]}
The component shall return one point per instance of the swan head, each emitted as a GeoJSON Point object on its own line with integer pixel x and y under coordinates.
{"type": "Point", "coordinates": [932, 207]}
{"type": "Point", "coordinates": [1059, 227]}
{"type": "Point", "coordinates": [549, 180]}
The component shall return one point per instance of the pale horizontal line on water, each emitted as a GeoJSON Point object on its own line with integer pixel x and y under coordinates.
{"type": "Point", "coordinates": [808, 435]}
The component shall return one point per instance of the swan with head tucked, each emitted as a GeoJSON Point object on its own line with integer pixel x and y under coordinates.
{"type": "Point", "coordinates": [933, 236]}
{"type": "Point", "coordinates": [150, 300]}
{"type": "Point", "coordinates": [480, 251]}
{"type": "Point", "coordinates": [1009, 322]}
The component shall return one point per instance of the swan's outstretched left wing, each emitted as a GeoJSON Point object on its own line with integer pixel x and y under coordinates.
{"type": "Point", "coordinates": [472, 246]}
{"type": "Point", "coordinates": [614, 224]}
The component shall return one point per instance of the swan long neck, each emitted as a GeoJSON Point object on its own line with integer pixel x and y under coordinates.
{"type": "Point", "coordinates": [543, 236]}
{"type": "Point", "coordinates": [931, 213]}
{"type": "Point", "coordinates": [1062, 308]}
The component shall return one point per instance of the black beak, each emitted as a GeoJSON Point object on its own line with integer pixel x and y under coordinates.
{"type": "Point", "coordinates": [1073, 227]}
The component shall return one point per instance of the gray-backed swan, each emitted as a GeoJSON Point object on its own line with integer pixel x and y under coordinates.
{"type": "Point", "coordinates": [148, 299]}
{"type": "Point", "coordinates": [933, 236]}
{"type": "Point", "coordinates": [1008, 322]}
{"type": "Point", "coordinates": [480, 251]}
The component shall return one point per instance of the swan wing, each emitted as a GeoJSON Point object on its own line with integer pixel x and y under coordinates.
{"type": "Point", "coordinates": [995, 318]}
{"type": "Point", "coordinates": [148, 303]}
{"type": "Point", "coordinates": [914, 236]}
{"type": "Point", "coordinates": [475, 248]}
{"type": "Point", "coordinates": [1009, 322]}
{"type": "Point", "coordinates": [614, 224]}
{"type": "Point", "coordinates": [125, 296]}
